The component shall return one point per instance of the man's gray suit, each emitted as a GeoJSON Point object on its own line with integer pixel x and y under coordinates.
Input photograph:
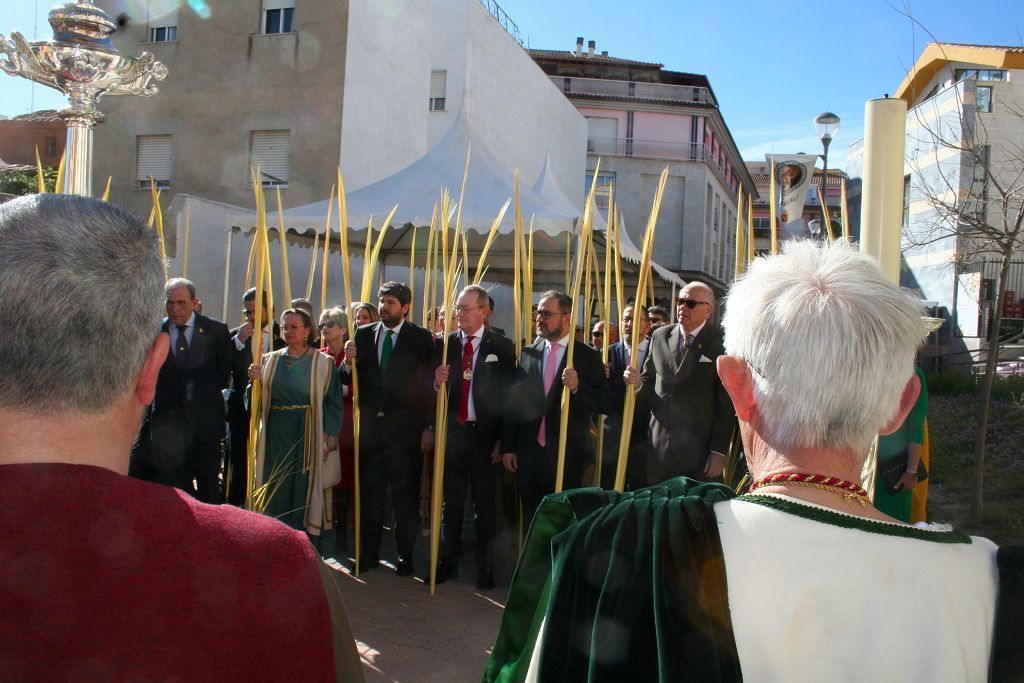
{"type": "Point", "coordinates": [691, 413]}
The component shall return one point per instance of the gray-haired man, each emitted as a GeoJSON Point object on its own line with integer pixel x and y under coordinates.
{"type": "Point", "coordinates": [187, 424]}
{"type": "Point", "coordinates": [158, 577]}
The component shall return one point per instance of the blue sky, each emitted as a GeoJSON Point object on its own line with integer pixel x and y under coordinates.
{"type": "Point", "coordinates": [773, 65]}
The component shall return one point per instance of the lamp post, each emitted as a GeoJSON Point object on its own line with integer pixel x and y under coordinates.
{"type": "Point", "coordinates": [82, 62]}
{"type": "Point", "coordinates": [827, 125]}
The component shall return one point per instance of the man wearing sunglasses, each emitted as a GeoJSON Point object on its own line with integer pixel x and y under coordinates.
{"type": "Point", "coordinates": [238, 416]}
{"type": "Point", "coordinates": [691, 415]}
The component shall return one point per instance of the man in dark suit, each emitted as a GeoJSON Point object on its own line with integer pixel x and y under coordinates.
{"type": "Point", "coordinates": [535, 404]}
{"type": "Point", "coordinates": [394, 362]}
{"type": "Point", "coordinates": [238, 417]}
{"type": "Point", "coordinates": [633, 318]}
{"type": "Point", "coordinates": [692, 417]}
{"type": "Point", "coordinates": [484, 363]}
{"type": "Point", "coordinates": [187, 424]}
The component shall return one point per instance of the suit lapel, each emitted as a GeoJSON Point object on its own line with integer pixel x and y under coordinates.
{"type": "Point", "coordinates": [674, 341]}
{"type": "Point", "coordinates": [692, 355]}
{"type": "Point", "coordinates": [455, 378]}
{"type": "Point", "coordinates": [531, 360]}
{"type": "Point", "coordinates": [198, 344]}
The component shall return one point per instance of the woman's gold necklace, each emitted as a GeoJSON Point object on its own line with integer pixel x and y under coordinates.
{"type": "Point", "coordinates": [290, 361]}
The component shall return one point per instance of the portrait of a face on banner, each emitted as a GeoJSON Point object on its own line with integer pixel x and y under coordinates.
{"type": "Point", "coordinates": [793, 179]}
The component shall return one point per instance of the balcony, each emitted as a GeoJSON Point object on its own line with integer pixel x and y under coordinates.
{"type": "Point", "coordinates": [657, 149]}
{"type": "Point", "coordinates": [632, 90]}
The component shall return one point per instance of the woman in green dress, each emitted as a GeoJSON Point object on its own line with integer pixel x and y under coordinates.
{"type": "Point", "coordinates": [908, 439]}
{"type": "Point", "coordinates": [300, 409]}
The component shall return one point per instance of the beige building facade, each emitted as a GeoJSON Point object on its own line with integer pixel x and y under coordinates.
{"type": "Point", "coordinates": [241, 90]}
{"type": "Point", "coordinates": [642, 118]}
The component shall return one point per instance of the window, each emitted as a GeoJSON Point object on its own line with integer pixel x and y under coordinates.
{"type": "Point", "coordinates": [163, 34]}
{"type": "Point", "coordinates": [269, 152]}
{"type": "Point", "coordinates": [153, 160]}
{"type": "Point", "coordinates": [51, 147]}
{"type": "Point", "coordinates": [906, 201]}
{"type": "Point", "coordinates": [164, 28]}
{"type": "Point", "coordinates": [979, 184]}
{"type": "Point", "coordinates": [602, 135]}
{"type": "Point", "coordinates": [762, 222]}
{"type": "Point", "coordinates": [438, 86]}
{"type": "Point", "coordinates": [278, 15]}
{"type": "Point", "coordinates": [602, 192]}
{"type": "Point", "coordinates": [980, 74]}
{"type": "Point", "coordinates": [983, 98]}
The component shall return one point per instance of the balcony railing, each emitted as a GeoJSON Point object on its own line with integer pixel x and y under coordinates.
{"type": "Point", "coordinates": [506, 22]}
{"type": "Point", "coordinates": [675, 94]}
{"type": "Point", "coordinates": [656, 149]}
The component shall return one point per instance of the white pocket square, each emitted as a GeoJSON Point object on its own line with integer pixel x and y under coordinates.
{"type": "Point", "coordinates": [704, 359]}
{"type": "Point", "coordinates": [491, 358]}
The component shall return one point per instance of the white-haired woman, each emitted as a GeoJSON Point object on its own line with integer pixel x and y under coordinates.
{"type": "Point", "coordinates": [334, 332]}
{"type": "Point", "coordinates": [300, 412]}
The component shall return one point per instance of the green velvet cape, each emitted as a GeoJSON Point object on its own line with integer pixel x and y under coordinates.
{"type": "Point", "coordinates": [632, 587]}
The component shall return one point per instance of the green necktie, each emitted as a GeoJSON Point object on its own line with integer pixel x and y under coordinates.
{"type": "Point", "coordinates": [385, 352]}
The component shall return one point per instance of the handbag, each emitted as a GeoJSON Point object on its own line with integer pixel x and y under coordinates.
{"type": "Point", "coordinates": [892, 468]}
{"type": "Point", "coordinates": [332, 469]}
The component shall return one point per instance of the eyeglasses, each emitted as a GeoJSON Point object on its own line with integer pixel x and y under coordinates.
{"type": "Point", "coordinates": [546, 315]}
{"type": "Point", "coordinates": [330, 324]}
{"type": "Point", "coordinates": [466, 309]}
{"type": "Point", "coordinates": [692, 303]}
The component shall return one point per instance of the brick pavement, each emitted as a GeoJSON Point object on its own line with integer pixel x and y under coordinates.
{"type": "Point", "coordinates": [405, 634]}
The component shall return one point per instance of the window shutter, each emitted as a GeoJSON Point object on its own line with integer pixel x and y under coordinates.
{"type": "Point", "coordinates": [154, 159]}
{"type": "Point", "coordinates": [438, 84]}
{"type": "Point", "coordinates": [165, 19]}
{"type": "Point", "coordinates": [278, 4]}
{"type": "Point", "coordinates": [270, 154]}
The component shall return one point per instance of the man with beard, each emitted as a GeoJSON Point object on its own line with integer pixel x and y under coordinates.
{"type": "Point", "coordinates": [393, 359]}
{"type": "Point", "coordinates": [535, 404]}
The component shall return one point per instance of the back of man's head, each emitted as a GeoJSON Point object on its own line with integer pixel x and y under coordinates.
{"type": "Point", "coordinates": [830, 342]}
{"type": "Point", "coordinates": [81, 293]}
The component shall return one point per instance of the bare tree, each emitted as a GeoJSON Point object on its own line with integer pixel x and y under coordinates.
{"type": "Point", "coordinates": [972, 179]}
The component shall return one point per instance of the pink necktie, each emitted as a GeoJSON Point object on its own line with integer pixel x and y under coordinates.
{"type": "Point", "coordinates": [549, 379]}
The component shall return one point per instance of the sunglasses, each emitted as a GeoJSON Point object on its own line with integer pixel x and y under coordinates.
{"type": "Point", "coordinates": [546, 315]}
{"type": "Point", "coordinates": [692, 303]}
{"type": "Point", "coordinates": [328, 324]}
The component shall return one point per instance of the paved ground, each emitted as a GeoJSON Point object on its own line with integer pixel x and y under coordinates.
{"type": "Point", "coordinates": [405, 634]}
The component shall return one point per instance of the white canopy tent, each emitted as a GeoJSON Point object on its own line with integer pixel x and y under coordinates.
{"type": "Point", "coordinates": [417, 188]}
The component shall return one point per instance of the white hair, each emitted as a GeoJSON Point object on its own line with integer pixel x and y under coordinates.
{"type": "Point", "coordinates": [831, 343]}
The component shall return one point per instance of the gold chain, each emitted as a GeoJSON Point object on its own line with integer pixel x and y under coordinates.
{"type": "Point", "coordinates": [848, 495]}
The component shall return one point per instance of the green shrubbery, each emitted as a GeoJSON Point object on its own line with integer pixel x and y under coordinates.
{"type": "Point", "coordinates": [17, 183]}
{"type": "Point", "coordinates": [1009, 388]}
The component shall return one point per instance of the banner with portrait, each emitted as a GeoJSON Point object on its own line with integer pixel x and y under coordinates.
{"type": "Point", "coordinates": [794, 174]}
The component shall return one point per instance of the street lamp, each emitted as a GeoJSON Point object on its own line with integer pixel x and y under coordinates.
{"type": "Point", "coordinates": [827, 125]}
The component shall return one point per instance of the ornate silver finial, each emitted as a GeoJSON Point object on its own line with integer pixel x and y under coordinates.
{"type": "Point", "coordinates": [82, 62]}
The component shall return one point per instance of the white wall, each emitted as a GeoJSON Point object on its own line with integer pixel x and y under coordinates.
{"type": "Point", "coordinates": [516, 108]}
{"type": "Point", "coordinates": [387, 88]}
{"type": "Point", "coordinates": [513, 107]}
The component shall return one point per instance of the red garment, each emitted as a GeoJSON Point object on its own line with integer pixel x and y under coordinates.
{"type": "Point", "coordinates": [103, 577]}
{"type": "Point", "coordinates": [346, 439]}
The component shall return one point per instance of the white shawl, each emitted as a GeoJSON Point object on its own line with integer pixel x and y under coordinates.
{"type": "Point", "coordinates": [319, 511]}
